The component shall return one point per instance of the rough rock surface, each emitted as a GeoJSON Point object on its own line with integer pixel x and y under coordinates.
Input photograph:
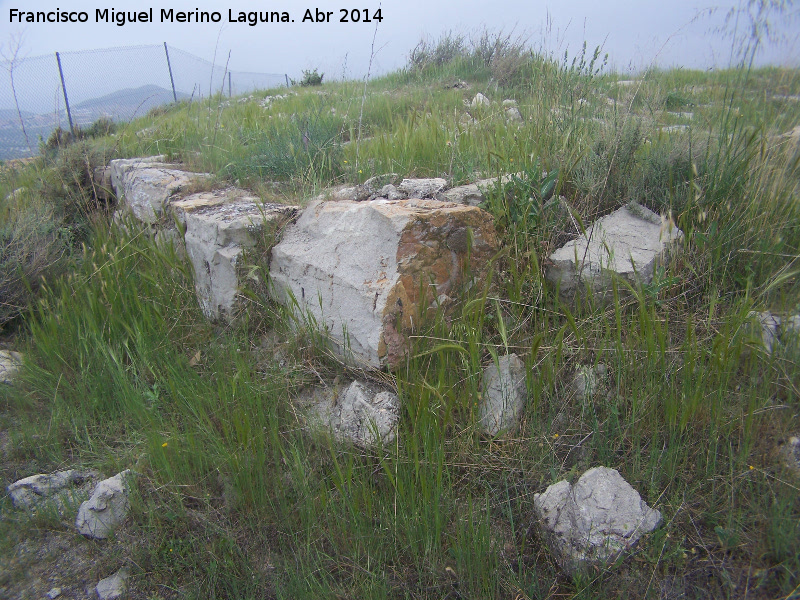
{"type": "Point", "coordinates": [113, 587]}
{"type": "Point", "coordinates": [504, 395]}
{"type": "Point", "coordinates": [594, 520]}
{"type": "Point", "coordinates": [587, 380]}
{"type": "Point", "coordinates": [358, 413]}
{"type": "Point", "coordinates": [790, 454]}
{"type": "Point", "coordinates": [10, 363]}
{"type": "Point", "coordinates": [769, 326]}
{"type": "Point", "coordinates": [390, 192]}
{"type": "Point", "coordinates": [103, 185]}
{"type": "Point", "coordinates": [774, 330]}
{"type": "Point", "coordinates": [62, 487]}
{"type": "Point", "coordinates": [474, 194]}
{"type": "Point", "coordinates": [145, 185]}
{"type": "Point", "coordinates": [513, 115]}
{"type": "Point", "coordinates": [220, 226]}
{"type": "Point", "coordinates": [422, 188]}
{"type": "Point", "coordinates": [106, 509]}
{"type": "Point", "coordinates": [629, 242]}
{"type": "Point", "coordinates": [357, 268]}
{"type": "Point", "coordinates": [480, 100]}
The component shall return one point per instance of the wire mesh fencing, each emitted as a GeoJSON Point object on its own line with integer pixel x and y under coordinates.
{"type": "Point", "coordinates": [75, 89]}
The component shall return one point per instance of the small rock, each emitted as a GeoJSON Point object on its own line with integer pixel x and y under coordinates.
{"type": "Point", "coordinates": [376, 183]}
{"type": "Point", "coordinates": [358, 413]}
{"type": "Point", "coordinates": [675, 128]}
{"type": "Point", "coordinates": [16, 194]}
{"type": "Point", "coordinates": [28, 493]}
{"type": "Point", "coordinates": [467, 121]}
{"type": "Point", "coordinates": [54, 593]}
{"type": "Point", "coordinates": [10, 363]}
{"type": "Point", "coordinates": [107, 507]}
{"type": "Point", "coordinates": [504, 395]}
{"type": "Point", "coordinates": [790, 454]}
{"type": "Point", "coordinates": [769, 326]}
{"type": "Point", "coordinates": [422, 188]}
{"type": "Point", "coordinates": [629, 242]}
{"type": "Point", "coordinates": [587, 380]}
{"type": "Point", "coordinates": [513, 115]}
{"type": "Point", "coordinates": [480, 100]}
{"type": "Point", "coordinates": [508, 102]}
{"type": "Point", "coordinates": [474, 194]}
{"type": "Point", "coordinates": [792, 135]}
{"type": "Point", "coordinates": [103, 186]}
{"type": "Point", "coordinates": [595, 520]}
{"type": "Point", "coordinates": [113, 587]}
{"type": "Point", "coordinates": [390, 192]}
{"type": "Point", "coordinates": [358, 193]}
{"type": "Point", "coordinates": [470, 194]}
{"type": "Point", "coordinates": [790, 331]}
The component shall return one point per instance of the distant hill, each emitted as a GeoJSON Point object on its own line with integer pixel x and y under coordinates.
{"type": "Point", "coordinates": [8, 114]}
{"type": "Point", "coordinates": [123, 104]}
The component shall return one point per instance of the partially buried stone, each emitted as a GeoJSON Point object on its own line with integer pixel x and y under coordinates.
{"type": "Point", "coordinates": [106, 509]}
{"type": "Point", "coordinates": [113, 587]}
{"type": "Point", "coordinates": [358, 413]}
{"type": "Point", "coordinates": [504, 395]}
{"type": "Point", "coordinates": [10, 363]}
{"type": "Point", "coordinates": [595, 520]}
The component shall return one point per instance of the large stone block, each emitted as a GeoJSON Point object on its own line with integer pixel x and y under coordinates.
{"type": "Point", "coordinates": [361, 269]}
{"type": "Point", "coordinates": [219, 227]}
{"type": "Point", "coordinates": [629, 242]}
{"type": "Point", "coordinates": [145, 185]}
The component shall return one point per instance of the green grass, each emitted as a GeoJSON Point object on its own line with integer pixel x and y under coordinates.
{"type": "Point", "coordinates": [234, 499]}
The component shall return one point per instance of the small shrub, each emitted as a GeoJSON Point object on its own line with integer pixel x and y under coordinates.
{"type": "Point", "coordinates": [607, 170]}
{"type": "Point", "coordinates": [66, 183]}
{"type": "Point", "coordinates": [675, 101]}
{"type": "Point", "coordinates": [32, 247]}
{"type": "Point", "coordinates": [100, 128]}
{"type": "Point", "coordinates": [445, 50]}
{"type": "Point", "coordinates": [311, 78]}
{"type": "Point", "coordinates": [59, 138]}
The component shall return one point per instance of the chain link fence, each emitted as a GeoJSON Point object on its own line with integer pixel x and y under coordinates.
{"type": "Point", "coordinates": [41, 93]}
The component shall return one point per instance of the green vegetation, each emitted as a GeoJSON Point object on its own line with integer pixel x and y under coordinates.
{"type": "Point", "coordinates": [311, 78]}
{"type": "Point", "coordinates": [235, 500]}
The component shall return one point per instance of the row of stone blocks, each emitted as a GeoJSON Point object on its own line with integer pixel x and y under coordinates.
{"type": "Point", "coordinates": [365, 270]}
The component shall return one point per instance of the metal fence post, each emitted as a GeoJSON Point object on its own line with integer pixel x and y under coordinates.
{"type": "Point", "coordinates": [230, 92]}
{"type": "Point", "coordinates": [171, 80]}
{"type": "Point", "coordinates": [64, 88]}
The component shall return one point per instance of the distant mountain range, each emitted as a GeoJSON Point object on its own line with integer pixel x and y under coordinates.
{"type": "Point", "coordinates": [122, 105]}
{"type": "Point", "coordinates": [125, 104]}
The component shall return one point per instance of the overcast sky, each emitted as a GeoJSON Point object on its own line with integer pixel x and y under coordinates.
{"type": "Point", "coordinates": [635, 33]}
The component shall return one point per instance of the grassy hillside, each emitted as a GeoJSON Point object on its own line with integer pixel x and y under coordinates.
{"type": "Point", "coordinates": [235, 500]}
